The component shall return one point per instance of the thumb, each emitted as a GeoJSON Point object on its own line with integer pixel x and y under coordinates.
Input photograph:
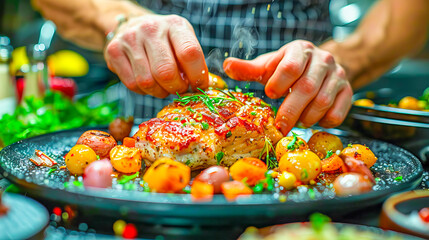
{"type": "Point", "coordinates": [248, 70]}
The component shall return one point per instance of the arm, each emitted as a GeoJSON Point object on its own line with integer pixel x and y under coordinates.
{"type": "Point", "coordinates": [393, 29]}
{"type": "Point", "coordinates": [86, 22]}
{"type": "Point", "coordinates": [152, 54]}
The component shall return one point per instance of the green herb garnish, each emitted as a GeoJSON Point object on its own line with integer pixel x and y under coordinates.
{"type": "Point", "coordinates": [53, 170]}
{"type": "Point", "coordinates": [247, 85]}
{"type": "Point", "coordinates": [253, 113]}
{"type": "Point", "coordinates": [237, 89]}
{"type": "Point", "coordinates": [349, 145]}
{"type": "Point", "coordinates": [291, 144]}
{"type": "Point", "coordinates": [269, 152]}
{"type": "Point", "coordinates": [258, 188]}
{"type": "Point", "coordinates": [209, 101]}
{"type": "Point", "coordinates": [190, 110]}
{"type": "Point", "coordinates": [398, 178]}
{"type": "Point", "coordinates": [318, 221]}
{"type": "Point", "coordinates": [219, 157]}
{"type": "Point", "coordinates": [329, 154]}
{"type": "Point", "coordinates": [311, 194]}
{"type": "Point", "coordinates": [228, 134]}
{"type": "Point", "coordinates": [249, 94]}
{"type": "Point", "coordinates": [205, 125]}
{"type": "Point", "coordinates": [187, 162]}
{"type": "Point", "coordinates": [127, 178]}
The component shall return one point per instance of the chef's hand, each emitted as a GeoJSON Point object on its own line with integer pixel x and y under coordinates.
{"type": "Point", "coordinates": [157, 55]}
{"type": "Point", "coordinates": [314, 86]}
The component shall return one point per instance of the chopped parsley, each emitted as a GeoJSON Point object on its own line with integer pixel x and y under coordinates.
{"type": "Point", "coordinates": [176, 118]}
{"type": "Point", "coordinates": [247, 85]}
{"type": "Point", "coordinates": [253, 113]}
{"type": "Point", "coordinates": [258, 188]}
{"type": "Point", "coordinates": [228, 134]}
{"type": "Point", "coordinates": [54, 169]}
{"type": "Point", "coordinates": [249, 94]}
{"type": "Point", "coordinates": [219, 157]}
{"type": "Point", "coordinates": [398, 178]}
{"type": "Point", "coordinates": [187, 162]}
{"type": "Point", "coordinates": [318, 220]}
{"type": "Point", "coordinates": [127, 178]}
{"type": "Point", "coordinates": [311, 194]}
{"type": "Point", "coordinates": [291, 145]}
{"type": "Point", "coordinates": [205, 125]}
{"type": "Point", "coordinates": [349, 145]}
{"type": "Point", "coordinates": [237, 89]}
{"type": "Point", "coordinates": [329, 154]}
{"type": "Point", "coordinates": [190, 110]}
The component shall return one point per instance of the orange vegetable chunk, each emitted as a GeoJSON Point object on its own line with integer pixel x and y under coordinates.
{"type": "Point", "coordinates": [201, 191]}
{"type": "Point", "coordinates": [250, 169]}
{"type": "Point", "coordinates": [231, 190]}
{"type": "Point", "coordinates": [167, 176]}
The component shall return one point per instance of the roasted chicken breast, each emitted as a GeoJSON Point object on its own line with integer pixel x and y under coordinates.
{"type": "Point", "coordinates": [208, 128]}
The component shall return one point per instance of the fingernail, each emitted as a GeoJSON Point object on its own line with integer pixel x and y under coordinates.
{"type": "Point", "coordinates": [283, 127]}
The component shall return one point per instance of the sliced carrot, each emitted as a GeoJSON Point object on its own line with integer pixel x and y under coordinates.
{"type": "Point", "coordinates": [129, 142]}
{"type": "Point", "coordinates": [231, 190]}
{"type": "Point", "coordinates": [249, 169]}
{"type": "Point", "coordinates": [201, 191]}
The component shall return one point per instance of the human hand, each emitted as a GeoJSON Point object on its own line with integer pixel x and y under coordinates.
{"type": "Point", "coordinates": [157, 55]}
{"type": "Point", "coordinates": [314, 86]}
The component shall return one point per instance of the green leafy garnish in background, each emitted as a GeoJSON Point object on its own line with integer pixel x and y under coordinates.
{"type": "Point", "coordinates": [52, 113]}
{"type": "Point", "coordinates": [318, 220]}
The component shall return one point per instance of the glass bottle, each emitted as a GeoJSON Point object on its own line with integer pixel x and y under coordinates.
{"type": "Point", "coordinates": [36, 78]}
{"type": "Point", "coordinates": [7, 85]}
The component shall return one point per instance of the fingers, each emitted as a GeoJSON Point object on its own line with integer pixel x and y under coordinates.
{"type": "Point", "coordinates": [302, 92]}
{"type": "Point", "coordinates": [338, 112]}
{"type": "Point", "coordinates": [119, 63]}
{"type": "Point", "coordinates": [334, 83]}
{"type": "Point", "coordinates": [188, 51]}
{"type": "Point", "coordinates": [140, 66]}
{"type": "Point", "coordinates": [258, 69]}
{"type": "Point", "coordinates": [290, 68]}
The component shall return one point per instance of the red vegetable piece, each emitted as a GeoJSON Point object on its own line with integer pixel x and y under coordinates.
{"type": "Point", "coordinates": [424, 214]}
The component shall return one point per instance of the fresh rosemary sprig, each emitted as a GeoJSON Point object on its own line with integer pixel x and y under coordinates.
{"type": "Point", "coordinates": [270, 153]}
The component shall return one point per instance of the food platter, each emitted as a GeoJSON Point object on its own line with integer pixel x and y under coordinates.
{"type": "Point", "coordinates": [179, 209]}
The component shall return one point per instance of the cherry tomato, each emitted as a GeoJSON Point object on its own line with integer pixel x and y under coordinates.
{"type": "Point", "coordinates": [424, 214]}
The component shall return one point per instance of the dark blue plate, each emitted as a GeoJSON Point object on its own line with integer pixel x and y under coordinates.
{"type": "Point", "coordinates": [179, 210]}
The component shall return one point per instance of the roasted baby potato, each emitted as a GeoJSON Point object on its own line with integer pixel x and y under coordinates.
{"type": "Point", "coordinates": [214, 175]}
{"type": "Point", "coordinates": [251, 169]}
{"type": "Point", "coordinates": [322, 142]}
{"type": "Point", "coordinates": [360, 152]}
{"type": "Point", "coordinates": [167, 176]}
{"type": "Point", "coordinates": [78, 158]}
{"type": "Point", "coordinates": [121, 128]}
{"type": "Point", "coordinates": [286, 144]}
{"type": "Point", "coordinates": [305, 165]}
{"type": "Point", "coordinates": [101, 142]}
{"type": "Point", "coordinates": [125, 159]}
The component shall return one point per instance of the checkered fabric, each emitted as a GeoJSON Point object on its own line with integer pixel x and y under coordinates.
{"type": "Point", "coordinates": [243, 29]}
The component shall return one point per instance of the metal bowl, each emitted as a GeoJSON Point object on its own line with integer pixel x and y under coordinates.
{"type": "Point", "coordinates": [404, 127]}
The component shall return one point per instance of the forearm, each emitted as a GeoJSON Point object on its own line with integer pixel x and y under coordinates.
{"type": "Point", "coordinates": [392, 30]}
{"type": "Point", "coordinates": [86, 22]}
